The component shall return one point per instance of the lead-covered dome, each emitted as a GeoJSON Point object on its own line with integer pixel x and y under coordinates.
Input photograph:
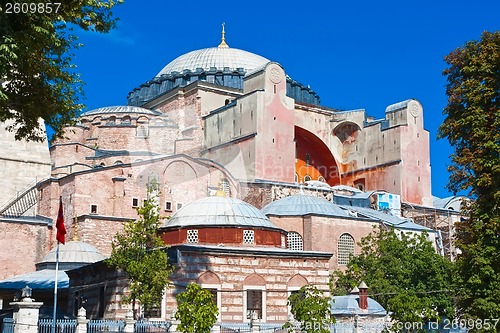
{"type": "Point", "coordinates": [127, 109]}
{"type": "Point", "coordinates": [300, 205]}
{"type": "Point", "coordinates": [219, 212]}
{"type": "Point", "coordinates": [215, 57]}
{"type": "Point", "coordinates": [73, 254]}
{"type": "Point", "coordinates": [222, 66]}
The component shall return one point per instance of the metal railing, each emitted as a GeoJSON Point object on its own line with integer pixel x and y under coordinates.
{"type": "Point", "coordinates": [152, 326]}
{"type": "Point", "coordinates": [62, 326]}
{"type": "Point", "coordinates": [101, 326]}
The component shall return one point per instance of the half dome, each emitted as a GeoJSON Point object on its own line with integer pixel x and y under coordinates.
{"type": "Point", "coordinates": [215, 57]}
{"type": "Point", "coordinates": [300, 205]}
{"type": "Point", "coordinates": [219, 211]}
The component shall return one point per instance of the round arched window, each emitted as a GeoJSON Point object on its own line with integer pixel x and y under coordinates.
{"type": "Point", "coordinates": [345, 249]}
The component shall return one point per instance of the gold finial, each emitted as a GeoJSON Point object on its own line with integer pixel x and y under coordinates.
{"type": "Point", "coordinates": [220, 192]}
{"type": "Point", "coordinates": [223, 42]}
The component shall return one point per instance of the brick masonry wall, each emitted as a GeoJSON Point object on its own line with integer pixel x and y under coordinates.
{"type": "Point", "coordinates": [235, 272]}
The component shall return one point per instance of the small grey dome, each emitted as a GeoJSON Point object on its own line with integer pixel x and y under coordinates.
{"type": "Point", "coordinates": [300, 205]}
{"type": "Point", "coordinates": [218, 57]}
{"type": "Point", "coordinates": [74, 252]}
{"type": "Point", "coordinates": [219, 211]}
{"type": "Point", "coordinates": [129, 109]}
{"type": "Point", "coordinates": [349, 305]}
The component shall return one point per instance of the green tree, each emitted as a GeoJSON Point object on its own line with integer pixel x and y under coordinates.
{"type": "Point", "coordinates": [140, 252]}
{"type": "Point", "coordinates": [404, 274]}
{"type": "Point", "coordinates": [472, 126]}
{"type": "Point", "coordinates": [311, 310]}
{"type": "Point", "coordinates": [36, 71]}
{"type": "Point", "coordinates": [196, 310]}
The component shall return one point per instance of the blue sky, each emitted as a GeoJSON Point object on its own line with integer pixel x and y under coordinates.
{"type": "Point", "coordinates": [354, 54]}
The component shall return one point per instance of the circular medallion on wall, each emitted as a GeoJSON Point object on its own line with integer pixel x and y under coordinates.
{"type": "Point", "coordinates": [414, 108]}
{"type": "Point", "coordinates": [275, 75]}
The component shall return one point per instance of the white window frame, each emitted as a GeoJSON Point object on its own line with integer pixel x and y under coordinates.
{"type": "Point", "coordinates": [219, 296]}
{"type": "Point", "coordinates": [264, 302]}
{"type": "Point", "coordinates": [289, 292]}
{"type": "Point", "coordinates": [137, 204]}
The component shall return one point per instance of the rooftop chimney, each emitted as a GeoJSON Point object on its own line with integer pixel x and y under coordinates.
{"type": "Point", "coordinates": [363, 296]}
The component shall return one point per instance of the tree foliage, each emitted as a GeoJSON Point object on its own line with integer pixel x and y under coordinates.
{"type": "Point", "coordinates": [404, 274]}
{"type": "Point", "coordinates": [472, 126]}
{"type": "Point", "coordinates": [311, 311]}
{"type": "Point", "coordinates": [196, 310]}
{"type": "Point", "coordinates": [140, 252]}
{"type": "Point", "coordinates": [36, 70]}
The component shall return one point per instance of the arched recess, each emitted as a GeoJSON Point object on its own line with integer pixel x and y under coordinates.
{"type": "Point", "coordinates": [347, 132]}
{"type": "Point", "coordinates": [314, 158]}
{"type": "Point", "coordinates": [254, 280]}
{"type": "Point", "coordinates": [208, 277]}
{"type": "Point", "coordinates": [297, 281]}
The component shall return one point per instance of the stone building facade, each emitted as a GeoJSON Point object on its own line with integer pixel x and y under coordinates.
{"type": "Point", "coordinates": [224, 117]}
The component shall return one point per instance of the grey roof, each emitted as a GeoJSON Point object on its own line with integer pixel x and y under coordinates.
{"type": "Point", "coordinates": [74, 252]}
{"type": "Point", "coordinates": [349, 305]}
{"type": "Point", "coordinates": [129, 109]}
{"type": "Point", "coordinates": [72, 255]}
{"type": "Point", "coordinates": [219, 211]}
{"type": "Point", "coordinates": [300, 205]}
{"type": "Point", "coordinates": [443, 203]}
{"type": "Point", "coordinates": [387, 218]}
{"type": "Point", "coordinates": [398, 106]}
{"type": "Point", "coordinates": [43, 279]}
{"type": "Point", "coordinates": [218, 57]}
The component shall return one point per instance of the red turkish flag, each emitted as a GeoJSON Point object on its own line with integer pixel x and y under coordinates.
{"type": "Point", "coordinates": [61, 230]}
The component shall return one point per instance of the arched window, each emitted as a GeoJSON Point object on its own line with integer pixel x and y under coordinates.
{"type": "Point", "coordinates": [294, 240]}
{"type": "Point", "coordinates": [345, 249]}
{"type": "Point", "coordinates": [225, 187]}
{"type": "Point", "coordinates": [126, 120]}
{"type": "Point", "coordinates": [307, 178]}
{"type": "Point", "coordinates": [296, 177]}
{"type": "Point", "coordinates": [322, 179]}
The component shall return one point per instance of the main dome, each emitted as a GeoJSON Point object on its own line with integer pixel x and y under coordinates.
{"type": "Point", "coordinates": [215, 57]}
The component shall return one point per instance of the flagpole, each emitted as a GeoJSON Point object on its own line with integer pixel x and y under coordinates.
{"type": "Point", "coordinates": [55, 290]}
{"type": "Point", "coordinates": [61, 232]}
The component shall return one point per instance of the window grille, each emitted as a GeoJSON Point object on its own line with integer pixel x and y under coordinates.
{"type": "Point", "coordinates": [248, 237]}
{"type": "Point", "coordinates": [192, 236]}
{"type": "Point", "coordinates": [345, 249]}
{"type": "Point", "coordinates": [294, 241]}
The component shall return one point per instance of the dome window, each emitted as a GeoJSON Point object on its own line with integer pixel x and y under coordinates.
{"type": "Point", "coordinates": [307, 178]}
{"type": "Point", "coordinates": [248, 237]}
{"type": "Point", "coordinates": [192, 236]}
